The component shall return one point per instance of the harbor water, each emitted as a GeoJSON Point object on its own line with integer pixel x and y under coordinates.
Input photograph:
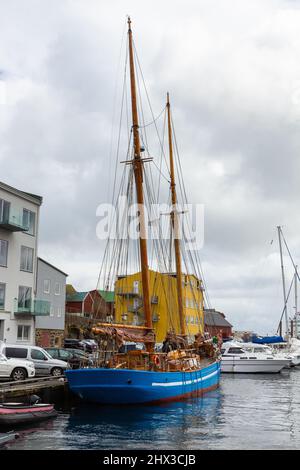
{"type": "Point", "coordinates": [246, 412]}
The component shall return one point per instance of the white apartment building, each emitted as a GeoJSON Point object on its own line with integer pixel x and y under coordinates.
{"type": "Point", "coordinates": [19, 221]}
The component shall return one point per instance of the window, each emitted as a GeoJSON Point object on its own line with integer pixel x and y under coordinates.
{"type": "Point", "coordinates": [46, 286]}
{"type": "Point", "coordinates": [4, 210]}
{"type": "Point", "coordinates": [26, 259]}
{"type": "Point", "coordinates": [53, 353]}
{"type": "Point", "coordinates": [19, 353]}
{"type": "Point", "coordinates": [29, 221]}
{"type": "Point", "coordinates": [59, 311]}
{"type": "Point", "coordinates": [51, 311]}
{"type": "Point", "coordinates": [24, 299]}
{"type": "Point", "coordinates": [65, 355]}
{"type": "Point", "coordinates": [236, 351]}
{"type": "Point", "coordinates": [2, 296]}
{"type": "Point", "coordinates": [23, 334]}
{"type": "Point", "coordinates": [3, 252]}
{"type": "Point", "coordinates": [37, 354]}
{"type": "Point", "coordinates": [57, 288]}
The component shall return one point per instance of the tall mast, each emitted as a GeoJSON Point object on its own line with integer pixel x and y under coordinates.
{"type": "Point", "coordinates": [174, 220]}
{"type": "Point", "coordinates": [283, 282]}
{"type": "Point", "coordinates": [138, 175]}
{"type": "Point", "coordinates": [296, 301]}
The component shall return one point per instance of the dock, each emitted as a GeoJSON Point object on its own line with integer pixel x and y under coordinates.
{"type": "Point", "coordinates": [37, 385]}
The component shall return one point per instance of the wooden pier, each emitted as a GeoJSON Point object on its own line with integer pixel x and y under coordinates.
{"type": "Point", "coordinates": [23, 388]}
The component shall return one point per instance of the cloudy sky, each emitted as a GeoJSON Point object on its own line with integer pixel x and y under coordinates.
{"type": "Point", "coordinates": [233, 71]}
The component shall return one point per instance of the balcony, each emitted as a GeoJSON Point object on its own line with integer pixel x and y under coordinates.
{"type": "Point", "coordinates": [13, 221]}
{"type": "Point", "coordinates": [35, 308]}
{"type": "Point", "coordinates": [127, 293]}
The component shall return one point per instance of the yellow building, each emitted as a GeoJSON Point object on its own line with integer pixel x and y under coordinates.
{"type": "Point", "coordinates": [163, 289]}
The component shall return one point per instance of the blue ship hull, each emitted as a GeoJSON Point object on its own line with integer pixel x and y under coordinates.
{"type": "Point", "coordinates": [128, 386]}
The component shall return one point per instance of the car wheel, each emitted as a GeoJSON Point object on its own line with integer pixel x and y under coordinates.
{"type": "Point", "coordinates": [18, 374]}
{"type": "Point", "coordinates": [56, 371]}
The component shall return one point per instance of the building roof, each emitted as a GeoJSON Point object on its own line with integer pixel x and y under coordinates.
{"type": "Point", "coordinates": [108, 296]}
{"type": "Point", "coordinates": [214, 318]}
{"type": "Point", "coordinates": [51, 266]}
{"type": "Point", "coordinates": [28, 196]}
{"type": "Point", "coordinates": [77, 297]}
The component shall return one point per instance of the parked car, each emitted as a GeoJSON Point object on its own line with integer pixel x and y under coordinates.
{"type": "Point", "coordinates": [75, 357]}
{"type": "Point", "coordinates": [44, 364]}
{"type": "Point", "coordinates": [131, 346]}
{"type": "Point", "coordinates": [73, 343]}
{"type": "Point", "coordinates": [16, 369]}
{"type": "Point", "coordinates": [89, 345]}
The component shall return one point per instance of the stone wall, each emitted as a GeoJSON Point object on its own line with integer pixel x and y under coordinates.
{"type": "Point", "coordinates": [49, 338]}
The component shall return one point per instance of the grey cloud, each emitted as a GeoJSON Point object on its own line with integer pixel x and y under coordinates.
{"type": "Point", "coordinates": [231, 79]}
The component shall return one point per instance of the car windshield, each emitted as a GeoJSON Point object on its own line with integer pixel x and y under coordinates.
{"type": "Point", "coordinates": [78, 352]}
{"type": "Point", "coordinates": [47, 354]}
{"type": "Point", "coordinates": [3, 358]}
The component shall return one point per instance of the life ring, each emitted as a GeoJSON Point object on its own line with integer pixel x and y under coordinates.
{"type": "Point", "coordinates": [156, 360]}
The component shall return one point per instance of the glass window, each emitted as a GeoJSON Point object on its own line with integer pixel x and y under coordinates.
{"type": "Point", "coordinates": [65, 355]}
{"type": "Point", "coordinates": [23, 333]}
{"type": "Point", "coordinates": [37, 354]}
{"type": "Point", "coordinates": [2, 295]}
{"type": "Point", "coordinates": [236, 351]}
{"type": "Point", "coordinates": [53, 353]}
{"type": "Point", "coordinates": [26, 259]}
{"type": "Point", "coordinates": [24, 300]}
{"type": "Point", "coordinates": [59, 311]}
{"type": "Point", "coordinates": [3, 252]}
{"type": "Point", "coordinates": [46, 286]}
{"type": "Point", "coordinates": [51, 311]}
{"type": "Point", "coordinates": [20, 353]}
{"type": "Point", "coordinates": [4, 210]}
{"type": "Point", "coordinates": [29, 221]}
{"type": "Point", "coordinates": [57, 288]}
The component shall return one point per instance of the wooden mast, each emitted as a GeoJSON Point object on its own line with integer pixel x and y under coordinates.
{"type": "Point", "coordinates": [138, 175]}
{"type": "Point", "coordinates": [174, 220]}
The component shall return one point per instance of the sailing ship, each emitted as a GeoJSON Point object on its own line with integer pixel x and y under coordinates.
{"type": "Point", "coordinates": [144, 375]}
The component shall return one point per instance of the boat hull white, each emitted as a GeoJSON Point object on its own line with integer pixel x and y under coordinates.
{"type": "Point", "coordinates": [252, 366]}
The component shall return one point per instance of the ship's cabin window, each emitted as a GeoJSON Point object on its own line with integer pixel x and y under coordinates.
{"type": "Point", "coordinates": [235, 351]}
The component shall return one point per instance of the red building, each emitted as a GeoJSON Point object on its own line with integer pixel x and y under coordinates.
{"type": "Point", "coordinates": [94, 304]}
{"type": "Point", "coordinates": [216, 323]}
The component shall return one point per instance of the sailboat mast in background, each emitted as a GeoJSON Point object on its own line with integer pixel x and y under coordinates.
{"type": "Point", "coordinates": [296, 301]}
{"type": "Point", "coordinates": [283, 282]}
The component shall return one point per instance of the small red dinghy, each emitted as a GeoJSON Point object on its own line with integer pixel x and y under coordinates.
{"type": "Point", "coordinates": [21, 413]}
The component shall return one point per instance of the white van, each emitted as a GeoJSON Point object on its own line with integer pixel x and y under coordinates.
{"type": "Point", "coordinates": [44, 364]}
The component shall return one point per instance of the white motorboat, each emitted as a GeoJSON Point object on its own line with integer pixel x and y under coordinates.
{"type": "Point", "coordinates": [237, 359]}
{"type": "Point", "coordinates": [290, 349]}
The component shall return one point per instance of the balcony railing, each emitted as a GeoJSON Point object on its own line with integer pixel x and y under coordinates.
{"type": "Point", "coordinates": [127, 292]}
{"type": "Point", "coordinates": [13, 222]}
{"type": "Point", "coordinates": [35, 307]}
